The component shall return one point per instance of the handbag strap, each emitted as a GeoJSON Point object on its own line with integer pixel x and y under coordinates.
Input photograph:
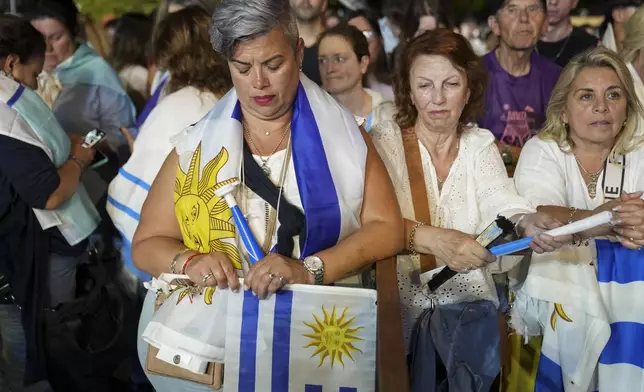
{"type": "Point", "coordinates": [418, 189]}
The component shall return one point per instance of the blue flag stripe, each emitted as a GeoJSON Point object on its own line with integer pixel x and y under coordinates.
{"type": "Point", "coordinates": [549, 377]}
{"type": "Point", "coordinates": [615, 263]}
{"type": "Point", "coordinates": [314, 179]}
{"type": "Point", "coordinates": [623, 347]}
{"type": "Point", "coordinates": [281, 340]}
{"type": "Point", "coordinates": [122, 207]}
{"type": "Point", "coordinates": [16, 96]}
{"type": "Point", "coordinates": [136, 180]}
{"type": "Point", "coordinates": [347, 389]}
{"type": "Point", "coordinates": [313, 388]}
{"type": "Point", "coordinates": [248, 345]}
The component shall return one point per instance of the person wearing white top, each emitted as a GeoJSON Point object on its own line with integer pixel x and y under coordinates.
{"type": "Point", "coordinates": [344, 62]}
{"type": "Point", "coordinates": [619, 12]}
{"type": "Point", "coordinates": [197, 85]}
{"type": "Point", "coordinates": [467, 185]}
{"type": "Point", "coordinates": [587, 159]}
{"type": "Point", "coordinates": [633, 54]}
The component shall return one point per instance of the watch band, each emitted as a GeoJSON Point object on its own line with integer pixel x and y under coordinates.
{"type": "Point", "coordinates": [318, 273]}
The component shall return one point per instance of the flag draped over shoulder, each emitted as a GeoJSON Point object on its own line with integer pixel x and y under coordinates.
{"type": "Point", "coordinates": [582, 352]}
{"type": "Point", "coordinates": [304, 339]}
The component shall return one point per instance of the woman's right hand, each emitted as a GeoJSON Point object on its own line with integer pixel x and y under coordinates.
{"type": "Point", "coordinates": [460, 251]}
{"type": "Point", "coordinates": [216, 267]}
{"type": "Point", "coordinates": [84, 154]}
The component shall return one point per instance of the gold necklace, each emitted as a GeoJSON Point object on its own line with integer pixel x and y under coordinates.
{"type": "Point", "coordinates": [594, 177]}
{"type": "Point", "coordinates": [264, 164]}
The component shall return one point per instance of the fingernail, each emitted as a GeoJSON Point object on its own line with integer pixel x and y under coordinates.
{"type": "Point", "coordinates": [616, 222]}
{"type": "Point", "coordinates": [616, 209]}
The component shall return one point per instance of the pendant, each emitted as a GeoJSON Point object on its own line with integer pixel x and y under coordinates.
{"type": "Point", "coordinates": [268, 134]}
{"type": "Point", "coordinates": [266, 170]}
{"type": "Point", "coordinates": [592, 190]}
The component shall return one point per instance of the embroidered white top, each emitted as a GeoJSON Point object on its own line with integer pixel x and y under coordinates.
{"type": "Point", "coordinates": [476, 190]}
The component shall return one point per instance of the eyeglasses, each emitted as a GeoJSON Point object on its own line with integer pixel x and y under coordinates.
{"type": "Point", "coordinates": [516, 11]}
{"type": "Point", "coordinates": [335, 59]}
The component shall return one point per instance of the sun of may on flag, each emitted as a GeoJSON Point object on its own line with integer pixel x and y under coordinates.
{"type": "Point", "coordinates": [304, 338]}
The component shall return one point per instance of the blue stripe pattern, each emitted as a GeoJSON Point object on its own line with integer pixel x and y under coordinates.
{"type": "Point", "coordinates": [248, 344]}
{"type": "Point", "coordinates": [122, 207]}
{"type": "Point", "coordinates": [314, 180]}
{"type": "Point", "coordinates": [624, 345]}
{"type": "Point", "coordinates": [136, 180]}
{"type": "Point", "coordinates": [313, 388]}
{"type": "Point", "coordinates": [281, 340]}
{"type": "Point", "coordinates": [16, 96]}
{"type": "Point", "coordinates": [618, 264]}
{"type": "Point", "coordinates": [549, 377]}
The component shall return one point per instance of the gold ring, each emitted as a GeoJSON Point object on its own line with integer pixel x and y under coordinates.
{"type": "Point", "coordinates": [206, 277]}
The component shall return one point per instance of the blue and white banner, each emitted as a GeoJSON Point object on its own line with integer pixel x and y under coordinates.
{"type": "Point", "coordinates": [304, 338]}
{"type": "Point", "coordinates": [609, 349]}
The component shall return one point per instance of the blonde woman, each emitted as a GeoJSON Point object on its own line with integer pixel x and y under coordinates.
{"type": "Point", "coordinates": [580, 298]}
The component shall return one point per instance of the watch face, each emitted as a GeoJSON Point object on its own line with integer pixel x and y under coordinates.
{"type": "Point", "coordinates": [314, 263]}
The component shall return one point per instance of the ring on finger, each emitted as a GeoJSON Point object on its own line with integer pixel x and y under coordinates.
{"type": "Point", "coordinates": [283, 280]}
{"type": "Point", "coordinates": [206, 277]}
{"type": "Point", "coordinates": [271, 276]}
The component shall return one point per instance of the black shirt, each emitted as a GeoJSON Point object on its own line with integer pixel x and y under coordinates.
{"type": "Point", "coordinates": [26, 171]}
{"type": "Point", "coordinates": [311, 65]}
{"type": "Point", "coordinates": [561, 52]}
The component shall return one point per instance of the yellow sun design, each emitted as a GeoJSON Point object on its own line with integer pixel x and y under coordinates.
{"type": "Point", "coordinates": [203, 217]}
{"type": "Point", "coordinates": [333, 337]}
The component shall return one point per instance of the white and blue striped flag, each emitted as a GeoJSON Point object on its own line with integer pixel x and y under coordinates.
{"type": "Point", "coordinates": [304, 338]}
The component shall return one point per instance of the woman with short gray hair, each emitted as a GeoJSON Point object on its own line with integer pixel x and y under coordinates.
{"type": "Point", "coordinates": [316, 195]}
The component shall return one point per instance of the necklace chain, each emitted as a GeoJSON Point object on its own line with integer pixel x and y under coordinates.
{"type": "Point", "coordinates": [563, 47]}
{"type": "Point", "coordinates": [264, 165]}
{"type": "Point", "coordinates": [594, 177]}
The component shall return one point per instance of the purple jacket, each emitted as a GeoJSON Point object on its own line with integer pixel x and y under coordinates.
{"type": "Point", "coordinates": [515, 108]}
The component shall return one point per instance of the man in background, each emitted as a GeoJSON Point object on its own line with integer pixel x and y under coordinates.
{"type": "Point", "coordinates": [520, 80]}
{"type": "Point", "coordinates": [310, 23]}
{"type": "Point", "coordinates": [618, 14]}
{"type": "Point", "coordinates": [561, 41]}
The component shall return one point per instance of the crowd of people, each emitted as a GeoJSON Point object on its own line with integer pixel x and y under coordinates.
{"type": "Point", "coordinates": [358, 134]}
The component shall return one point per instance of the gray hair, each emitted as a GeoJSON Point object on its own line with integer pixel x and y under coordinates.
{"type": "Point", "coordinates": [237, 21]}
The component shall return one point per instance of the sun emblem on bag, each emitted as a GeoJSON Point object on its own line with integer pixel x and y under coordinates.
{"type": "Point", "coordinates": [333, 337]}
{"type": "Point", "coordinates": [203, 217]}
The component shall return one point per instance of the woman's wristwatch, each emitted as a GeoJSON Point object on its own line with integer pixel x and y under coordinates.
{"type": "Point", "coordinates": [315, 266]}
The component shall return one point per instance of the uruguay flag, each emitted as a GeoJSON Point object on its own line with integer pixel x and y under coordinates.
{"type": "Point", "coordinates": [304, 338]}
{"type": "Point", "coordinates": [617, 346]}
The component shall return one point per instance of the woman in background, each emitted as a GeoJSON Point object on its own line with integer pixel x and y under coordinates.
{"type": "Point", "coordinates": [378, 73]}
{"type": "Point", "coordinates": [128, 55]}
{"type": "Point", "coordinates": [197, 83]}
{"type": "Point", "coordinates": [344, 62]}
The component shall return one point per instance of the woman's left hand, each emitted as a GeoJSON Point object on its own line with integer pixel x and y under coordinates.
{"type": "Point", "coordinates": [629, 223]}
{"type": "Point", "coordinates": [273, 272]}
{"type": "Point", "coordinates": [537, 223]}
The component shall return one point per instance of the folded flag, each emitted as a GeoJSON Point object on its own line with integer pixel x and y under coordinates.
{"type": "Point", "coordinates": [304, 338]}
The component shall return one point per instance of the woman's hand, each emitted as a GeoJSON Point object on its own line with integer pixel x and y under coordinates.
{"type": "Point", "coordinates": [214, 269]}
{"type": "Point", "coordinates": [83, 154]}
{"type": "Point", "coordinates": [537, 223]}
{"type": "Point", "coordinates": [458, 250]}
{"type": "Point", "coordinates": [628, 219]}
{"type": "Point", "coordinates": [273, 272]}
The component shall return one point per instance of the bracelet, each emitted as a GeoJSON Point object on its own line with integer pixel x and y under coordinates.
{"type": "Point", "coordinates": [188, 260]}
{"type": "Point", "coordinates": [571, 215]}
{"type": "Point", "coordinates": [81, 164]}
{"type": "Point", "coordinates": [173, 264]}
{"type": "Point", "coordinates": [412, 238]}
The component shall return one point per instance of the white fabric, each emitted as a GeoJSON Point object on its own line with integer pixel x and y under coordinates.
{"type": "Point", "coordinates": [135, 77]}
{"type": "Point", "coordinates": [290, 328]}
{"type": "Point", "coordinates": [382, 109]}
{"type": "Point", "coordinates": [609, 41]}
{"type": "Point", "coordinates": [545, 175]}
{"type": "Point", "coordinates": [639, 90]}
{"type": "Point", "coordinates": [346, 155]}
{"type": "Point", "coordinates": [159, 77]}
{"type": "Point", "coordinates": [475, 192]}
{"type": "Point", "coordinates": [172, 115]}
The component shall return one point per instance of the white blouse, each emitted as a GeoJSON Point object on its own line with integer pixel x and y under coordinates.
{"type": "Point", "coordinates": [475, 192]}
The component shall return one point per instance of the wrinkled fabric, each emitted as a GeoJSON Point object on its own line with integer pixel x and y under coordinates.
{"type": "Point", "coordinates": [466, 338]}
